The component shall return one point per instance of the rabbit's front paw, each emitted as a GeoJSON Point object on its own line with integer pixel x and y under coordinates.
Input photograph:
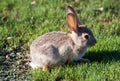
{"type": "Point", "coordinates": [85, 60]}
{"type": "Point", "coordinates": [82, 60]}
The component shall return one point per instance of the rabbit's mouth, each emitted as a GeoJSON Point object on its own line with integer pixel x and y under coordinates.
{"type": "Point", "coordinates": [91, 44]}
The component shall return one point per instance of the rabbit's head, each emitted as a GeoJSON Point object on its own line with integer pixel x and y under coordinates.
{"type": "Point", "coordinates": [81, 35]}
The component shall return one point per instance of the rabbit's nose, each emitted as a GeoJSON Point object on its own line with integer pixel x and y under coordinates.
{"type": "Point", "coordinates": [95, 41]}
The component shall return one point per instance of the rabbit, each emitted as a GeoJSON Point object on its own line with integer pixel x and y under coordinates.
{"type": "Point", "coordinates": [57, 48]}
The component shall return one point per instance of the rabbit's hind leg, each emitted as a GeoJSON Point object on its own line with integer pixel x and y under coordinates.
{"type": "Point", "coordinates": [45, 68]}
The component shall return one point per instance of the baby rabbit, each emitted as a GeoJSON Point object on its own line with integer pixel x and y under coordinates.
{"type": "Point", "coordinates": [57, 48]}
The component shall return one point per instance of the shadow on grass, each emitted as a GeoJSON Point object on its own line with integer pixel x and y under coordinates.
{"type": "Point", "coordinates": [103, 56]}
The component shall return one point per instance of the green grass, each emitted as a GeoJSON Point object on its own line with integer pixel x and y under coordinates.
{"type": "Point", "coordinates": [21, 23]}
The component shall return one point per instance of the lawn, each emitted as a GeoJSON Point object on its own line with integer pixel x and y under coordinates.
{"type": "Point", "coordinates": [22, 21]}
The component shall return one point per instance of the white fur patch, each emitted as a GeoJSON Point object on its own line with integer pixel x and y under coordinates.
{"type": "Point", "coordinates": [80, 56]}
{"type": "Point", "coordinates": [34, 65]}
{"type": "Point", "coordinates": [40, 60]}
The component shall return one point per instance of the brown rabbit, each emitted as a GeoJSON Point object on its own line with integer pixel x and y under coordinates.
{"type": "Point", "coordinates": [57, 48]}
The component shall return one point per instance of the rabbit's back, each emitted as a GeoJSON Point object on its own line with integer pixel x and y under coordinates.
{"type": "Point", "coordinates": [56, 39]}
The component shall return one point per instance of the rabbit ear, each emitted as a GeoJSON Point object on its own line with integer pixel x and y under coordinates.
{"type": "Point", "coordinates": [72, 19]}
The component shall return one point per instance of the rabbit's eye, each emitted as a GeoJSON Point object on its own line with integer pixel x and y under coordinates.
{"type": "Point", "coordinates": [86, 36]}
